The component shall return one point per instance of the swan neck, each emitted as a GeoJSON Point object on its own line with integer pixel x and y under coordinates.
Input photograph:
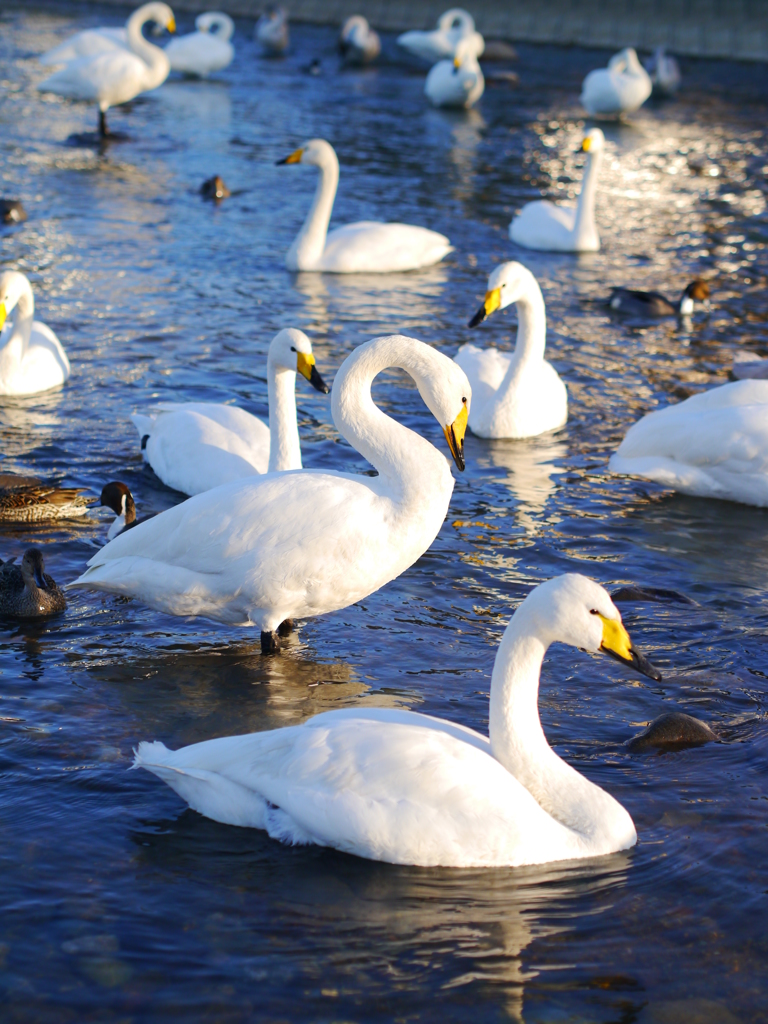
{"type": "Point", "coordinates": [307, 249]}
{"type": "Point", "coordinates": [585, 209]}
{"type": "Point", "coordinates": [284, 445]}
{"type": "Point", "coordinates": [23, 318]}
{"type": "Point", "coordinates": [153, 56]}
{"type": "Point", "coordinates": [531, 328]}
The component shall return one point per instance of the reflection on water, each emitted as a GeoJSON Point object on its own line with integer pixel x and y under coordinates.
{"type": "Point", "coordinates": [117, 904]}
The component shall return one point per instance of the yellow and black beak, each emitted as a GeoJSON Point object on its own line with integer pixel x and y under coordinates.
{"type": "Point", "coordinates": [490, 305]}
{"type": "Point", "coordinates": [454, 435]}
{"type": "Point", "coordinates": [171, 26]}
{"type": "Point", "coordinates": [616, 642]}
{"type": "Point", "coordinates": [3, 314]}
{"type": "Point", "coordinates": [456, 63]}
{"type": "Point", "coordinates": [292, 158]}
{"type": "Point", "coordinates": [305, 365]}
{"type": "Point", "coordinates": [586, 144]}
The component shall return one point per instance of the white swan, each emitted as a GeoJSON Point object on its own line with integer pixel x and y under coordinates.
{"type": "Point", "coordinates": [406, 788]}
{"type": "Point", "coordinates": [31, 356]}
{"type": "Point", "coordinates": [458, 82]}
{"type": "Point", "coordinates": [621, 88]}
{"type": "Point", "coordinates": [714, 445]}
{"type": "Point", "coordinates": [558, 228]}
{"type": "Point", "coordinates": [196, 446]}
{"type": "Point", "coordinates": [205, 51]}
{"type": "Point", "coordinates": [119, 75]}
{"type": "Point", "coordinates": [271, 30]}
{"type": "Point", "coordinates": [358, 42]}
{"type": "Point", "coordinates": [287, 545]}
{"type": "Point", "coordinates": [88, 43]}
{"type": "Point", "coordinates": [664, 72]}
{"type": "Point", "coordinates": [517, 395]}
{"type": "Point", "coordinates": [367, 247]}
{"type": "Point", "coordinates": [441, 42]}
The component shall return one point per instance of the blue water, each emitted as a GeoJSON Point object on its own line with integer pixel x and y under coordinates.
{"type": "Point", "coordinates": [116, 904]}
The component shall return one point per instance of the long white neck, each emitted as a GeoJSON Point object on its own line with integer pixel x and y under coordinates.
{"type": "Point", "coordinates": [409, 466]}
{"type": "Point", "coordinates": [531, 328]}
{"type": "Point", "coordinates": [585, 208]}
{"type": "Point", "coordinates": [15, 348]}
{"type": "Point", "coordinates": [307, 248]}
{"type": "Point", "coordinates": [216, 20]}
{"type": "Point", "coordinates": [284, 445]}
{"type": "Point", "coordinates": [519, 744]}
{"type": "Point", "coordinates": [158, 64]}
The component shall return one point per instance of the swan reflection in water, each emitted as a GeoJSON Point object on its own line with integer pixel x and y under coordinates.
{"type": "Point", "coordinates": [463, 131]}
{"type": "Point", "coordinates": [205, 105]}
{"type": "Point", "coordinates": [532, 471]}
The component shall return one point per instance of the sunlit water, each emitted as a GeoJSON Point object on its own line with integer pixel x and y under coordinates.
{"type": "Point", "coordinates": [115, 902]}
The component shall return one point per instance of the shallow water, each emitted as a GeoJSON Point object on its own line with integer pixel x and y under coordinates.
{"type": "Point", "coordinates": [117, 904]}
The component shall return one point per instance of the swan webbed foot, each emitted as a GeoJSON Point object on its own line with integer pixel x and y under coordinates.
{"type": "Point", "coordinates": [285, 628]}
{"type": "Point", "coordinates": [270, 642]}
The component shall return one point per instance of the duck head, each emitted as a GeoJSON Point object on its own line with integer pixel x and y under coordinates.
{"type": "Point", "coordinates": [291, 349]}
{"type": "Point", "coordinates": [33, 568]}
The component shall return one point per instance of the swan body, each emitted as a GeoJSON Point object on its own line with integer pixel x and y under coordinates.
{"type": "Point", "coordinates": [621, 88]}
{"type": "Point", "coordinates": [118, 75]}
{"type": "Point", "coordinates": [205, 51]}
{"type": "Point", "coordinates": [271, 30]}
{"type": "Point", "coordinates": [517, 395]}
{"type": "Point", "coordinates": [358, 42]}
{"type": "Point", "coordinates": [89, 43]}
{"type": "Point", "coordinates": [288, 545]}
{"type": "Point", "coordinates": [558, 228]}
{"type": "Point", "coordinates": [27, 591]}
{"type": "Point", "coordinates": [196, 446]}
{"type": "Point", "coordinates": [713, 445]}
{"type": "Point", "coordinates": [406, 788]}
{"type": "Point", "coordinates": [31, 356]}
{"type": "Point", "coordinates": [367, 247]}
{"type": "Point", "coordinates": [458, 82]}
{"type": "Point", "coordinates": [440, 44]}
{"type": "Point", "coordinates": [664, 73]}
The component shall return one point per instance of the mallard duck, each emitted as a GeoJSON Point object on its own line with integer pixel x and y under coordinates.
{"type": "Point", "coordinates": [637, 303]}
{"type": "Point", "coordinates": [25, 499]}
{"type": "Point", "coordinates": [27, 591]}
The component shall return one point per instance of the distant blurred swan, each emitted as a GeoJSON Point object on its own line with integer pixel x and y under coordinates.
{"type": "Point", "coordinates": [664, 72]}
{"type": "Point", "coordinates": [206, 50]}
{"type": "Point", "coordinates": [621, 88]}
{"type": "Point", "coordinates": [31, 356]}
{"type": "Point", "coordinates": [365, 247]}
{"type": "Point", "coordinates": [271, 30]}
{"type": "Point", "coordinates": [441, 42]}
{"type": "Point", "coordinates": [558, 228]}
{"type": "Point", "coordinates": [358, 42]}
{"type": "Point", "coordinates": [458, 82]}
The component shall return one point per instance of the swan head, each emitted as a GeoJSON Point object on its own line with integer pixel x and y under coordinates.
{"type": "Point", "coordinates": [508, 283]}
{"type": "Point", "coordinates": [33, 568]}
{"type": "Point", "coordinates": [13, 285]}
{"type": "Point", "coordinates": [316, 152]}
{"type": "Point", "coordinates": [447, 394]}
{"type": "Point", "coordinates": [160, 13]}
{"type": "Point", "coordinates": [594, 141]}
{"type": "Point", "coordinates": [469, 47]}
{"type": "Point", "coordinates": [456, 20]}
{"type": "Point", "coordinates": [573, 609]}
{"type": "Point", "coordinates": [291, 349]}
{"type": "Point", "coordinates": [221, 23]}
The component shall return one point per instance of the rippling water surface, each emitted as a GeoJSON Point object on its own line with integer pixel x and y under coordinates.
{"type": "Point", "coordinates": [118, 904]}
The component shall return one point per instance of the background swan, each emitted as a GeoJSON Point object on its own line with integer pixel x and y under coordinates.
{"type": "Point", "coordinates": [271, 30]}
{"type": "Point", "coordinates": [458, 82]}
{"type": "Point", "coordinates": [358, 42]}
{"type": "Point", "coordinates": [366, 247]}
{"type": "Point", "coordinates": [664, 72]}
{"type": "Point", "coordinates": [119, 75]}
{"type": "Point", "coordinates": [621, 88]}
{"type": "Point", "coordinates": [517, 394]}
{"type": "Point", "coordinates": [31, 356]}
{"type": "Point", "coordinates": [199, 445]}
{"type": "Point", "coordinates": [453, 26]}
{"type": "Point", "coordinates": [558, 228]}
{"type": "Point", "coordinates": [714, 445]}
{"type": "Point", "coordinates": [206, 50]}
{"type": "Point", "coordinates": [406, 788]}
{"type": "Point", "coordinates": [288, 545]}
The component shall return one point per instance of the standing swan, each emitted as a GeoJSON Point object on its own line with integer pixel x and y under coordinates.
{"type": "Point", "coordinates": [199, 445]}
{"type": "Point", "coordinates": [543, 225]}
{"type": "Point", "coordinates": [207, 50]}
{"type": "Point", "coordinates": [621, 88]}
{"type": "Point", "coordinates": [358, 42]}
{"type": "Point", "coordinates": [519, 395]}
{"type": "Point", "coordinates": [367, 247]}
{"type": "Point", "coordinates": [406, 788]}
{"type": "Point", "coordinates": [31, 356]}
{"type": "Point", "coordinates": [117, 76]}
{"type": "Point", "coordinates": [289, 545]}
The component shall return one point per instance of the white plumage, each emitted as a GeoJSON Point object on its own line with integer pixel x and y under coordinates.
{"type": "Point", "coordinates": [271, 30]}
{"type": "Point", "coordinates": [205, 51]}
{"type": "Point", "coordinates": [31, 356]}
{"type": "Point", "coordinates": [440, 44]}
{"type": "Point", "coordinates": [358, 42]}
{"type": "Point", "coordinates": [621, 88]}
{"type": "Point", "coordinates": [89, 43]}
{"type": "Point", "coordinates": [458, 82]}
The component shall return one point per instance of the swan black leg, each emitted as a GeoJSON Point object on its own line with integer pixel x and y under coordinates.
{"type": "Point", "coordinates": [270, 642]}
{"type": "Point", "coordinates": [103, 128]}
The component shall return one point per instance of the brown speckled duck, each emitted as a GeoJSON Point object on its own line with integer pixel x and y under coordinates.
{"type": "Point", "coordinates": [27, 591]}
{"type": "Point", "coordinates": [25, 499]}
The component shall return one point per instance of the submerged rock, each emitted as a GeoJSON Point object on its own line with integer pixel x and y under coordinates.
{"type": "Point", "coordinates": [672, 731]}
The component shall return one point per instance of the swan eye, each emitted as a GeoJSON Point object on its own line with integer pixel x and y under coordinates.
{"type": "Point", "coordinates": [464, 401]}
{"type": "Point", "coordinates": [593, 611]}
{"type": "Point", "coordinates": [293, 349]}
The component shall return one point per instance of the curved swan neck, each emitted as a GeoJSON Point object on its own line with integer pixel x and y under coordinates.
{"type": "Point", "coordinates": [531, 327]}
{"type": "Point", "coordinates": [585, 209]}
{"type": "Point", "coordinates": [309, 244]}
{"type": "Point", "coordinates": [222, 23]}
{"type": "Point", "coordinates": [23, 318]}
{"type": "Point", "coordinates": [154, 57]}
{"type": "Point", "coordinates": [407, 463]}
{"type": "Point", "coordinates": [284, 444]}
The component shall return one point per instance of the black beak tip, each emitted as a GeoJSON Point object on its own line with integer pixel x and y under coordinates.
{"type": "Point", "coordinates": [283, 161]}
{"type": "Point", "coordinates": [477, 318]}
{"type": "Point", "coordinates": [318, 383]}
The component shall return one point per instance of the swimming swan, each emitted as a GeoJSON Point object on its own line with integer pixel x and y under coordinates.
{"type": "Point", "coordinates": [119, 75]}
{"type": "Point", "coordinates": [271, 30]}
{"type": "Point", "coordinates": [543, 225]}
{"type": "Point", "coordinates": [664, 72]}
{"type": "Point", "coordinates": [206, 50]}
{"type": "Point", "coordinates": [458, 82]}
{"type": "Point", "coordinates": [367, 247]}
{"type": "Point", "coordinates": [31, 356]}
{"type": "Point", "coordinates": [196, 446]}
{"type": "Point", "coordinates": [440, 43]}
{"type": "Point", "coordinates": [621, 88]}
{"type": "Point", "coordinates": [358, 42]}
{"type": "Point", "coordinates": [714, 445]}
{"type": "Point", "coordinates": [517, 395]}
{"type": "Point", "coordinates": [407, 788]}
{"type": "Point", "coordinates": [289, 545]}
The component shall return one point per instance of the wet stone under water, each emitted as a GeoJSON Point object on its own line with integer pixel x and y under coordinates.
{"type": "Point", "coordinates": [116, 904]}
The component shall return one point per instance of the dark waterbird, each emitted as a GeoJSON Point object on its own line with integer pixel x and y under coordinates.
{"type": "Point", "coordinates": [25, 499]}
{"type": "Point", "coordinates": [215, 189]}
{"type": "Point", "coordinates": [27, 591]}
{"type": "Point", "coordinates": [12, 212]}
{"type": "Point", "coordinates": [638, 303]}
{"type": "Point", "coordinates": [672, 731]}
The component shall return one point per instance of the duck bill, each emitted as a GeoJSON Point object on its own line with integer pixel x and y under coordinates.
{"type": "Point", "coordinates": [616, 642]}
{"type": "Point", "coordinates": [39, 578]}
{"type": "Point", "coordinates": [490, 304]}
{"type": "Point", "coordinates": [3, 314]}
{"type": "Point", "coordinates": [454, 435]}
{"type": "Point", "coordinates": [292, 158]}
{"type": "Point", "coordinates": [305, 365]}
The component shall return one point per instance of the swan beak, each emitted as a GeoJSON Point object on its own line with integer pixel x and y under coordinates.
{"type": "Point", "coordinates": [456, 63]}
{"type": "Point", "coordinates": [3, 314]}
{"type": "Point", "coordinates": [454, 435]}
{"type": "Point", "coordinates": [171, 26]}
{"type": "Point", "coordinates": [616, 642]}
{"type": "Point", "coordinates": [586, 144]}
{"type": "Point", "coordinates": [491, 304]}
{"type": "Point", "coordinates": [305, 365]}
{"type": "Point", "coordinates": [293, 158]}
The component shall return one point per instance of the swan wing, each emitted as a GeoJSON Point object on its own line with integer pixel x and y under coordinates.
{"type": "Point", "coordinates": [373, 247]}
{"type": "Point", "coordinates": [199, 53]}
{"type": "Point", "coordinates": [114, 77]}
{"type": "Point", "coordinates": [544, 225]}
{"type": "Point", "coordinates": [88, 43]}
{"type": "Point", "coordinates": [431, 46]}
{"type": "Point", "coordinates": [44, 366]}
{"type": "Point", "coordinates": [485, 369]}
